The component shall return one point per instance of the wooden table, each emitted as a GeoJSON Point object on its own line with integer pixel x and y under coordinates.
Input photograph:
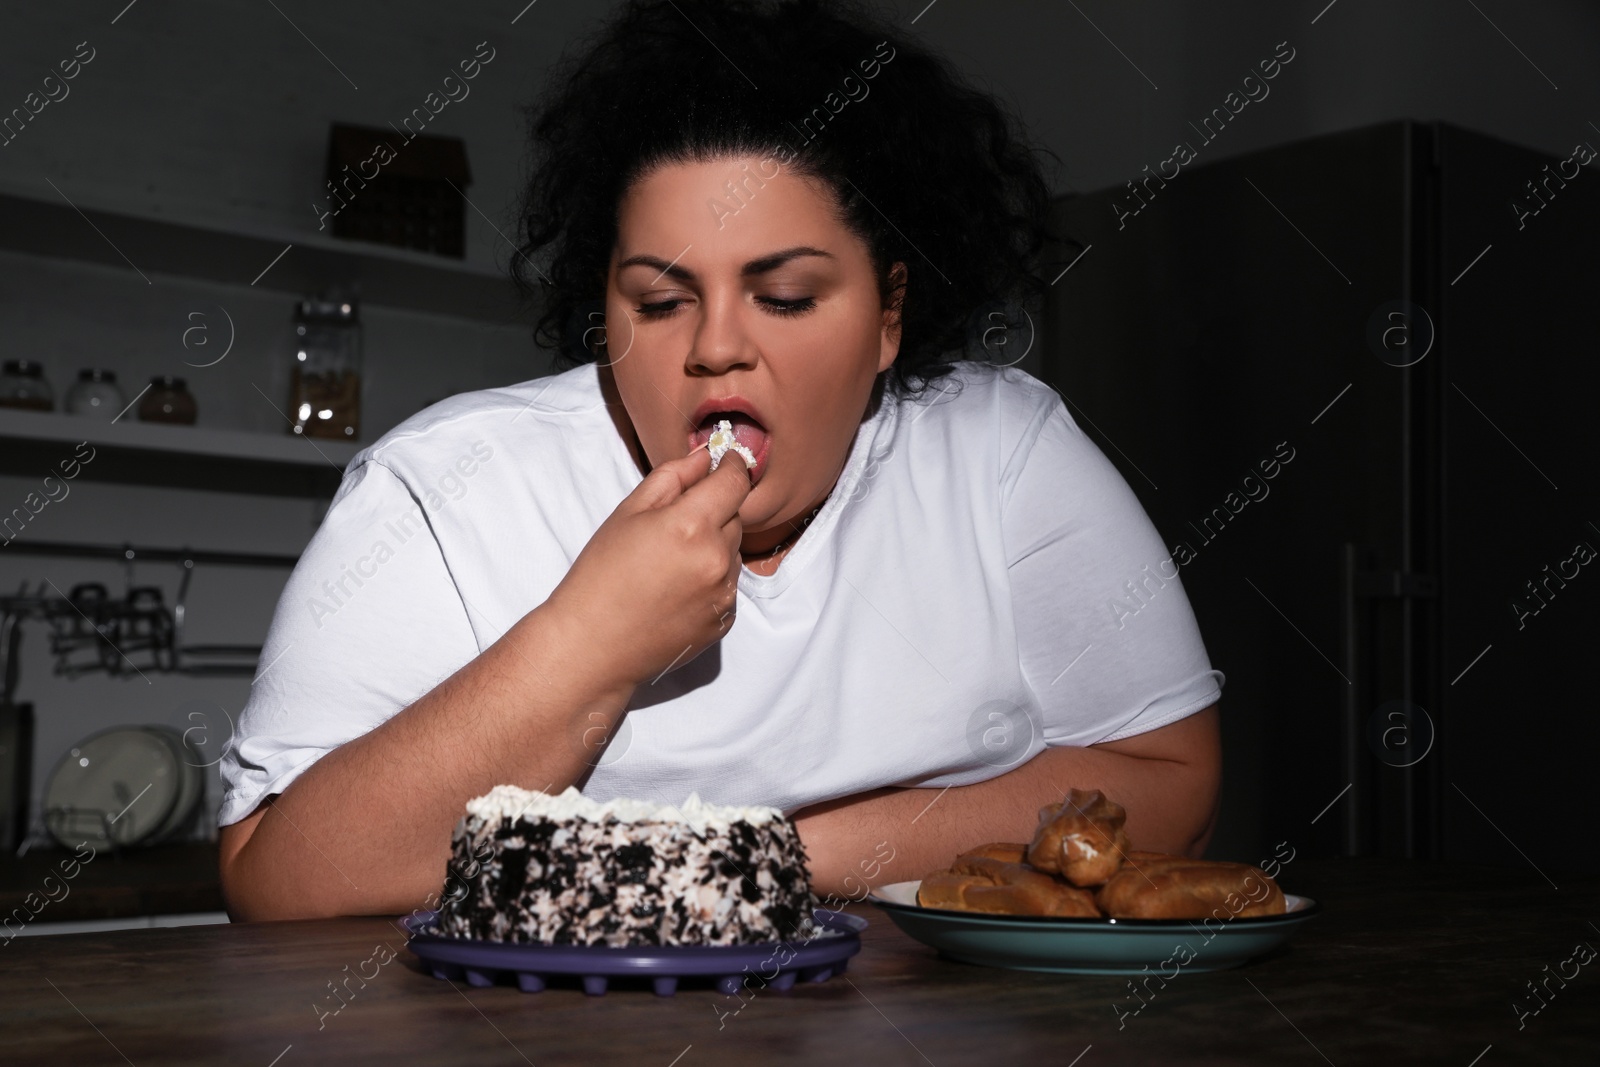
{"type": "Point", "coordinates": [1411, 962]}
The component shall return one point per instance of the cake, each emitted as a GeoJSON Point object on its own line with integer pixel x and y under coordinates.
{"type": "Point", "coordinates": [722, 441]}
{"type": "Point", "coordinates": [570, 870]}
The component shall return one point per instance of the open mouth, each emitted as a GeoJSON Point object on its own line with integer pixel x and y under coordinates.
{"type": "Point", "coordinates": [746, 430]}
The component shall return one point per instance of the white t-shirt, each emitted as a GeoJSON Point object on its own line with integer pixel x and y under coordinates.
{"type": "Point", "coordinates": [981, 583]}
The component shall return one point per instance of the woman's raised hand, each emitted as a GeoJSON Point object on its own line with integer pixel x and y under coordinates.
{"type": "Point", "coordinates": [656, 584]}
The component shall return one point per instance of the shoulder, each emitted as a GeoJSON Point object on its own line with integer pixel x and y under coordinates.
{"type": "Point", "coordinates": [999, 412]}
{"type": "Point", "coordinates": [980, 393]}
{"type": "Point", "coordinates": [538, 406]}
{"type": "Point", "coordinates": [542, 417]}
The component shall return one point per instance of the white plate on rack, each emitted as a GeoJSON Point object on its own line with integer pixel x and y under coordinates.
{"type": "Point", "coordinates": [115, 787]}
{"type": "Point", "coordinates": [191, 783]}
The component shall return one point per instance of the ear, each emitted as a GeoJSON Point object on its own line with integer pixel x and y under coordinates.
{"type": "Point", "coordinates": [889, 341]}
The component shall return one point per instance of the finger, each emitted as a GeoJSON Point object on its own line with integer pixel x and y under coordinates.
{"type": "Point", "coordinates": [668, 482]}
{"type": "Point", "coordinates": [719, 494]}
{"type": "Point", "coordinates": [733, 536]}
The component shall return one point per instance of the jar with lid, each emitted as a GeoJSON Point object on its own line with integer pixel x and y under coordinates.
{"type": "Point", "coordinates": [95, 395]}
{"type": "Point", "coordinates": [168, 400]}
{"type": "Point", "coordinates": [325, 377]}
{"type": "Point", "coordinates": [23, 385]}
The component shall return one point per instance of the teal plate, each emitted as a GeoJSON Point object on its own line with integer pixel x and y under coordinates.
{"type": "Point", "coordinates": [1091, 946]}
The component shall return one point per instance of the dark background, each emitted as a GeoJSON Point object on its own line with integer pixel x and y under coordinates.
{"type": "Point", "coordinates": [1362, 602]}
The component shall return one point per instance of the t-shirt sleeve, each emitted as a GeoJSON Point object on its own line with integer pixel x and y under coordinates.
{"type": "Point", "coordinates": [369, 621]}
{"type": "Point", "coordinates": [1107, 639]}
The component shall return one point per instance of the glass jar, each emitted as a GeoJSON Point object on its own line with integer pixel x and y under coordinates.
{"type": "Point", "coordinates": [168, 400]}
{"type": "Point", "coordinates": [325, 378]}
{"type": "Point", "coordinates": [23, 385]}
{"type": "Point", "coordinates": [95, 395]}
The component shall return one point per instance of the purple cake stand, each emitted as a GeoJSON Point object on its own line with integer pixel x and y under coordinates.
{"type": "Point", "coordinates": [483, 963]}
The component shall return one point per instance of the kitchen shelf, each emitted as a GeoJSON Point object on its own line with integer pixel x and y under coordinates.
{"type": "Point", "coordinates": [33, 443]}
{"type": "Point", "coordinates": [47, 225]}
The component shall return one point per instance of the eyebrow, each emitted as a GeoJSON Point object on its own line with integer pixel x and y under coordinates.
{"type": "Point", "coordinates": [749, 270]}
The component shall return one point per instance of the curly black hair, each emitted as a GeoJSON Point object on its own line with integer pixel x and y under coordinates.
{"type": "Point", "coordinates": [926, 169]}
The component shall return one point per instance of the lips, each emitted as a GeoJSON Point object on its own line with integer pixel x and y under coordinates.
{"type": "Point", "coordinates": [748, 429]}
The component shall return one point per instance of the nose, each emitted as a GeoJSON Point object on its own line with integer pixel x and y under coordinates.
{"type": "Point", "coordinates": [721, 342]}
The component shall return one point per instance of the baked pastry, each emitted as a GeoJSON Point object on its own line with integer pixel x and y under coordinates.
{"type": "Point", "coordinates": [1081, 841]}
{"type": "Point", "coordinates": [999, 850]}
{"type": "Point", "coordinates": [1081, 838]}
{"type": "Point", "coordinates": [1154, 885]}
{"type": "Point", "coordinates": [569, 870]}
{"type": "Point", "coordinates": [994, 886]}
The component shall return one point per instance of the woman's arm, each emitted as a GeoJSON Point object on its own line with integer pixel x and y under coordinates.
{"type": "Point", "coordinates": [1169, 779]}
{"type": "Point", "coordinates": [366, 828]}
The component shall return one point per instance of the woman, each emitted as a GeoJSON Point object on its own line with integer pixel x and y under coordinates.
{"type": "Point", "coordinates": [895, 625]}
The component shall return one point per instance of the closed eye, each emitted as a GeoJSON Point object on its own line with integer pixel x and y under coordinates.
{"type": "Point", "coordinates": [663, 308]}
{"type": "Point", "coordinates": [658, 309]}
{"type": "Point", "coordinates": [788, 307]}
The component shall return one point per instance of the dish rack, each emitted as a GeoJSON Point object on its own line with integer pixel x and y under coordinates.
{"type": "Point", "coordinates": [90, 630]}
{"type": "Point", "coordinates": [124, 636]}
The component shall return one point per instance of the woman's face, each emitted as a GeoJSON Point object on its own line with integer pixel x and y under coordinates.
{"type": "Point", "coordinates": [734, 292]}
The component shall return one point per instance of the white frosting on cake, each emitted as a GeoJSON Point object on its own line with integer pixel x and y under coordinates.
{"type": "Point", "coordinates": [722, 441]}
{"type": "Point", "coordinates": [511, 802]}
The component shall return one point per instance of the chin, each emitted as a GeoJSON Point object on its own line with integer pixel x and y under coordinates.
{"type": "Point", "coordinates": [764, 512]}
{"type": "Point", "coordinates": [756, 513]}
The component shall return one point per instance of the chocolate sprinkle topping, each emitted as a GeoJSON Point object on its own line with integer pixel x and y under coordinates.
{"type": "Point", "coordinates": [609, 882]}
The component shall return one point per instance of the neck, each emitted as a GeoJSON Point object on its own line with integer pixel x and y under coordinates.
{"type": "Point", "coordinates": [790, 532]}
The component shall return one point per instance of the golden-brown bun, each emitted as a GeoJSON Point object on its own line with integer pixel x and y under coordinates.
{"type": "Point", "coordinates": [1153, 885]}
{"type": "Point", "coordinates": [985, 884]}
{"type": "Point", "coordinates": [1081, 839]}
{"type": "Point", "coordinates": [1005, 851]}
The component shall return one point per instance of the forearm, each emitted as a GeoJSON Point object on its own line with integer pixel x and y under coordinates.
{"type": "Point", "coordinates": [1171, 807]}
{"type": "Point", "coordinates": [366, 829]}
